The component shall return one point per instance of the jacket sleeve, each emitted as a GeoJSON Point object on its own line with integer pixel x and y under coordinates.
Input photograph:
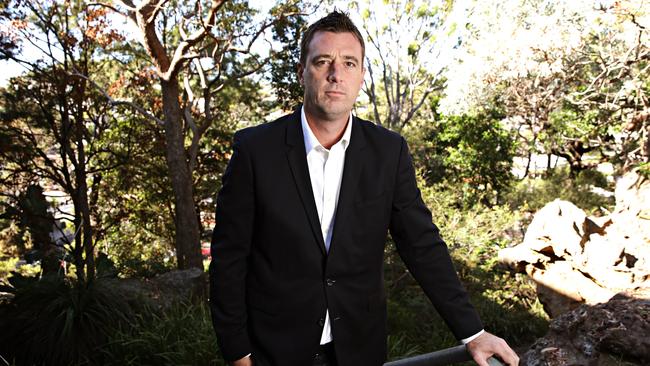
{"type": "Point", "coordinates": [425, 253]}
{"type": "Point", "coordinates": [231, 243]}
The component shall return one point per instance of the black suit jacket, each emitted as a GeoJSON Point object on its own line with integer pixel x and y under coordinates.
{"type": "Point", "coordinates": [271, 278]}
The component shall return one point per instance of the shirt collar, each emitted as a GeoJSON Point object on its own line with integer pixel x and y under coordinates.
{"type": "Point", "coordinates": [310, 139]}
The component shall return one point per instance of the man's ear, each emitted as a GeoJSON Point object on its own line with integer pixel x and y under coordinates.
{"type": "Point", "coordinates": [300, 69]}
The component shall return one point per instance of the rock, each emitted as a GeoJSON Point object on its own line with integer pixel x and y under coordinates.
{"type": "Point", "coordinates": [578, 259]}
{"type": "Point", "coordinates": [596, 336]}
{"type": "Point", "coordinates": [184, 284]}
{"type": "Point", "coordinates": [162, 290]}
{"type": "Point", "coordinates": [559, 222]}
{"type": "Point", "coordinates": [557, 297]}
{"type": "Point", "coordinates": [632, 193]}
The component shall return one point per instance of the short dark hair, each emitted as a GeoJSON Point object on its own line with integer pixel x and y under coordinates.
{"type": "Point", "coordinates": [337, 22]}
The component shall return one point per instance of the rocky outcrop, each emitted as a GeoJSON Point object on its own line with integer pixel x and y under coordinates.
{"type": "Point", "coordinates": [162, 290]}
{"type": "Point", "coordinates": [576, 259]}
{"type": "Point", "coordinates": [613, 333]}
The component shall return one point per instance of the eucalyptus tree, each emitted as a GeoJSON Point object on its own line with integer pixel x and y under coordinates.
{"type": "Point", "coordinates": [195, 50]}
{"type": "Point", "coordinates": [405, 55]}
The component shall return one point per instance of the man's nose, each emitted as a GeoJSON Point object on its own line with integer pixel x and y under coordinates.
{"type": "Point", "coordinates": [334, 73]}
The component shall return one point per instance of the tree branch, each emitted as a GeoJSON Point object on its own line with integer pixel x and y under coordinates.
{"type": "Point", "coordinates": [180, 53]}
{"type": "Point", "coordinates": [118, 102]}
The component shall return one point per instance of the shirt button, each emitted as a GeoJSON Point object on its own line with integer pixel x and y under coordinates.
{"type": "Point", "coordinates": [330, 282]}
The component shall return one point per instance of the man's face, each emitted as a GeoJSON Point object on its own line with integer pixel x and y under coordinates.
{"type": "Point", "coordinates": [332, 75]}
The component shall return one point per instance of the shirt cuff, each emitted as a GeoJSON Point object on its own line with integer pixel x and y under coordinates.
{"type": "Point", "coordinates": [469, 339]}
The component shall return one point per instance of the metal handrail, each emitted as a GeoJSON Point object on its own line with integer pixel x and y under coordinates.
{"type": "Point", "coordinates": [443, 357]}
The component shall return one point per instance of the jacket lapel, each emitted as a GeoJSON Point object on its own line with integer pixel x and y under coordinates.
{"type": "Point", "coordinates": [354, 162]}
{"type": "Point", "coordinates": [298, 162]}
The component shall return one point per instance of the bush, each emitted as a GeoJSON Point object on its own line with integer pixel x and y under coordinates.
{"type": "Point", "coordinates": [531, 194]}
{"type": "Point", "coordinates": [472, 153]}
{"type": "Point", "coordinates": [13, 265]}
{"type": "Point", "coordinates": [55, 321]}
{"type": "Point", "coordinates": [399, 347]}
{"type": "Point", "coordinates": [179, 335]}
{"type": "Point", "coordinates": [138, 253]}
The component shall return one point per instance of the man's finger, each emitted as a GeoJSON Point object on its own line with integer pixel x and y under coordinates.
{"type": "Point", "coordinates": [508, 357]}
{"type": "Point", "coordinates": [481, 361]}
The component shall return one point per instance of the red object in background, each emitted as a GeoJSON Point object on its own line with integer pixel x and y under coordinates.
{"type": "Point", "coordinates": [205, 250]}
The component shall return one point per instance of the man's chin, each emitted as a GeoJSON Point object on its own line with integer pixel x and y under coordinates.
{"type": "Point", "coordinates": [335, 110]}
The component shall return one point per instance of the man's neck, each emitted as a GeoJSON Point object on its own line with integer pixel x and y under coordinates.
{"type": "Point", "coordinates": [327, 132]}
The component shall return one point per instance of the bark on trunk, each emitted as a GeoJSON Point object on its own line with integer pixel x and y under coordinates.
{"type": "Point", "coordinates": [86, 225]}
{"type": "Point", "coordinates": [187, 238]}
{"type": "Point", "coordinates": [78, 247]}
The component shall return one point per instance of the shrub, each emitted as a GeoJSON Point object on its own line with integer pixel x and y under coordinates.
{"type": "Point", "coordinates": [56, 321]}
{"type": "Point", "coordinates": [137, 252]}
{"type": "Point", "coordinates": [399, 347]}
{"type": "Point", "coordinates": [9, 266]}
{"type": "Point", "coordinates": [179, 335]}
{"type": "Point", "coordinates": [473, 153]}
{"type": "Point", "coordinates": [531, 194]}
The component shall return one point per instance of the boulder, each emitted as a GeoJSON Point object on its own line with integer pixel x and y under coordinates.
{"type": "Point", "coordinates": [576, 259]}
{"type": "Point", "coordinates": [598, 335]}
{"type": "Point", "coordinates": [162, 290]}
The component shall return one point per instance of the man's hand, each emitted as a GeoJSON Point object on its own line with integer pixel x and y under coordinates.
{"type": "Point", "coordinates": [486, 345]}
{"type": "Point", "coordinates": [245, 361]}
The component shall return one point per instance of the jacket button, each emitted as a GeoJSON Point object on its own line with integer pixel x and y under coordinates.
{"type": "Point", "coordinates": [330, 282]}
{"type": "Point", "coordinates": [321, 322]}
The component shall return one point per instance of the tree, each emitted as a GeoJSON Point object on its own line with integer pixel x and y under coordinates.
{"type": "Point", "coordinates": [284, 63]}
{"type": "Point", "coordinates": [52, 120]}
{"type": "Point", "coordinates": [571, 76]}
{"type": "Point", "coordinates": [208, 47]}
{"type": "Point", "coordinates": [407, 41]}
{"type": "Point", "coordinates": [9, 13]}
{"type": "Point", "coordinates": [471, 153]}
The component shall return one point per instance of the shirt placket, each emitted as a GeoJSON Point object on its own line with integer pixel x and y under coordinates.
{"type": "Point", "coordinates": [329, 198]}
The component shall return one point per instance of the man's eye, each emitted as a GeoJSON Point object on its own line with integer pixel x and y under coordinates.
{"type": "Point", "coordinates": [350, 64]}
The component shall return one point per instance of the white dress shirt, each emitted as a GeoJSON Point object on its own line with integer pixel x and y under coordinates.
{"type": "Point", "coordinates": [325, 172]}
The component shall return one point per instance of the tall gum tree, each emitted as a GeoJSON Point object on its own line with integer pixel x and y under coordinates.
{"type": "Point", "coordinates": [192, 42]}
{"type": "Point", "coordinates": [405, 55]}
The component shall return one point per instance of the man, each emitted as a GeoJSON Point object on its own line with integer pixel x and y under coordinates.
{"type": "Point", "coordinates": [301, 224]}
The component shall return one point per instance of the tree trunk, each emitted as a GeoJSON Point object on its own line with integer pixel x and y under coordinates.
{"type": "Point", "coordinates": [86, 225]}
{"type": "Point", "coordinates": [78, 245]}
{"type": "Point", "coordinates": [187, 237]}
